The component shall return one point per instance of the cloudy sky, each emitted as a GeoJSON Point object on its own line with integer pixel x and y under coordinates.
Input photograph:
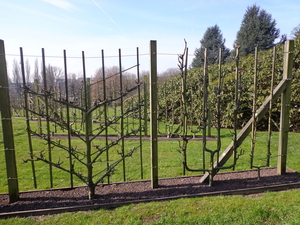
{"type": "Point", "coordinates": [93, 25]}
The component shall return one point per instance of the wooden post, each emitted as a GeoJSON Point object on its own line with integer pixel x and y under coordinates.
{"type": "Point", "coordinates": [140, 110]}
{"type": "Point", "coordinates": [68, 118]}
{"type": "Point", "coordinates": [28, 127]}
{"type": "Point", "coordinates": [205, 108]}
{"type": "Point", "coordinates": [46, 99]}
{"type": "Point", "coordinates": [122, 116]}
{"type": "Point", "coordinates": [7, 130]}
{"type": "Point", "coordinates": [89, 105]}
{"type": "Point", "coordinates": [285, 107]}
{"type": "Point", "coordinates": [105, 108]}
{"type": "Point", "coordinates": [254, 124]}
{"type": "Point", "coordinates": [260, 113]}
{"type": "Point", "coordinates": [37, 106]}
{"type": "Point", "coordinates": [153, 114]}
{"type": "Point", "coordinates": [145, 106]}
{"type": "Point", "coordinates": [270, 123]}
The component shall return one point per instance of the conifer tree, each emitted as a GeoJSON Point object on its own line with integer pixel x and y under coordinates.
{"type": "Point", "coordinates": [257, 29]}
{"type": "Point", "coordinates": [213, 41]}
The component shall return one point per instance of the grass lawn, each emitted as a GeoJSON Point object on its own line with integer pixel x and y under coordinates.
{"type": "Point", "coordinates": [272, 208]}
{"type": "Point", "coordinates": [169, 158]}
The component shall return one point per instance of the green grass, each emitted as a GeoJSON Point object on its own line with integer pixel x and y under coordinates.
{"type": "Point", "coordinates": [169, 158]}
{"type": "Point", "coordinates": [272, 208]}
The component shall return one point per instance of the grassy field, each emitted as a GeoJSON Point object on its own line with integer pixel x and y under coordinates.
{"type": "Point", "coordinates": [272, 208]}
{"type": "Point", "coordinates": [169, 158]}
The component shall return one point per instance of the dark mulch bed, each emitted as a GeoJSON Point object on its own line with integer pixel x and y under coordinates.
{"type": "Point", "coordinates": [141, 190]}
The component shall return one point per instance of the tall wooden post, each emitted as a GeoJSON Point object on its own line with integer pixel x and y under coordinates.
{"type": "Point", "coordinates": [46, 99]}
{"type": "Point", "coordinates": [153, 114]}
{"type": "Point", "coordinates": [89, 105]}
{"type": "Point", "coordinates": [285, 107]}
{"type": "Point", "coordinates": [122, 115]}
{"type": "Point", "coordinates": [145, 106]}
{"type": "Point", "coordinates": [37, 106]}
{"type": "Point", "coordinates": [105, 111]}
{"type": "Point", "coordinates": [7, 130]}
{"type": "Point", "coordinates": [68, 118]}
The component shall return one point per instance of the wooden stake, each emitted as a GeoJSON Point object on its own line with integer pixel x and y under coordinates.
{"type": "Point", "coordinates": [153, 114]}
{"type": "Point", "coordinates": [285, 107]}
{"type": "Point", "coordinates": [7, 130]}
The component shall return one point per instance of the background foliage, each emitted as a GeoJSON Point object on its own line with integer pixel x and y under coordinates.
{"type": "Point", "coordinates": [257, 29]}
{"type": "Point", "coordinates": [212, 40]}
{"type": "Point", "coordinates": [169, 91]}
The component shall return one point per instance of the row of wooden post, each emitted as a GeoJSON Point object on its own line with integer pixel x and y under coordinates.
{"type": "Point", "coordinates": [284, 89]}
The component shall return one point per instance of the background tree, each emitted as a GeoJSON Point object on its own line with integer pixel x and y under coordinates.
{"type": "Point", "coordinates": [257, 29]}
{"type": "Point", "coordinates": [296, 32]}
{"type": "Point", "coordinates": [36, 72]}
{"type": "Point", "coordinates": [213, 41]}
{"type": "Point", "coordinates": [167, 74]}
{"type": "Point", "coordinates": [17, 79]}
{"type": "Point", "coordinates": [16, 88]}
{"type": "Point", "coordinates": [54, 75]}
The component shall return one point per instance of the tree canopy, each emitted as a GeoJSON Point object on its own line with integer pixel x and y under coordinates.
{"type": "Point", "coordinates": [257, 29]}
{"type": "Point", "coordinates": [296, 32]}
{"type": "Point", "coordinates": [213, 41]}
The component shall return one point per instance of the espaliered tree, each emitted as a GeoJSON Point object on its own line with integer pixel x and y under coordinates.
{"type": "Point", "coordinates": [212, 41]}
{"type": "Point", "coordinates": [84, 162]}
{"type": "Point", "coordinates": [258, 29]}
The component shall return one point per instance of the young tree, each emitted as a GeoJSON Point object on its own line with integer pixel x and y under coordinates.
{"type": "Point", "coordinates": [86, 160]}
{"type": "Point", "coordinates": [213, 41]}
{"type": "Point", "coordinates": [257, 29]}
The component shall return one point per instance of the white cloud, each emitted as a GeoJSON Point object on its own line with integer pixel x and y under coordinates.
{"type": "Point", "coordinates": [61, 4]}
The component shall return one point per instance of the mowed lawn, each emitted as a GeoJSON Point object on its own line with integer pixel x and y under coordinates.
{"type": "Point", "coordinates": [270, 208]}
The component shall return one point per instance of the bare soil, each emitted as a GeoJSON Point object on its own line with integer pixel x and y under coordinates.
{"type": "Point", "coordinates": [141, 190]}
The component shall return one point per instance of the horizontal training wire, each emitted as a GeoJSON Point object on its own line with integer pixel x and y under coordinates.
{"type": "Point", "coordinates": [96, 57]}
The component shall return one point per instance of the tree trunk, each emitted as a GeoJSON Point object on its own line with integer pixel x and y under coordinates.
{"type": "Point", "coordinates": [91, 191]}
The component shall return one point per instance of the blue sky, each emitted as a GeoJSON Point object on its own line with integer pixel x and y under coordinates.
{"type": "Point", "coordinates": [92, 25]}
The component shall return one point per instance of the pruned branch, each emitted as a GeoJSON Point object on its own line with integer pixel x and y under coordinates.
{"type": "Point", "coordinates": [57, 165]}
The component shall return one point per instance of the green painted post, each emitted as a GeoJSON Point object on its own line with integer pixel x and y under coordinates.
{"type": "Point", "coordinates": [285, 107]}
{"type": "Point", "coordinates": [254, 124]}
{"type": "Point", "coordinates": [145, 107]}
{"type": "Point", "coordinates": [37, 106]}
{"type": "Point", "coordinates": [46, 99]}
{"type": "Point", "coordinates": [7, 130]}
{"type": "Point", "coordinates": [205, 108]}
{"type": "Point", "coordinates": [270, 123]}
{"type": "Point", "coordinates": [140, 111]}
{"type": "Point", "coordinates": [105, 108]}
{"type": "Point", "coordinates": [153, 114]}
{"type": "Point", "coordinates": [68, 119]}
{"type": "Point", "coordinates": [28, 127]}
{"type": "Point", "coordinates": [89, 105]}
{"type": "Point", "coordinates": [122, 116]}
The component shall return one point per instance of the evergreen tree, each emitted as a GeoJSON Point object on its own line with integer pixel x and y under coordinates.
{"type": "Point", "coordinates": [257, 29]}
{"type": "Point", "coordinates": [213, 41]}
